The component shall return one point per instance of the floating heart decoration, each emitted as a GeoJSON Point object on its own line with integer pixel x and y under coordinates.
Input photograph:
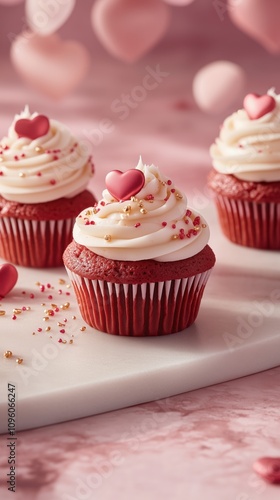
{"type": "Point", "coordinates": [52, 66]}
{"type": "Point", "coordinates": [268, 468]}
{"type": "Point", "coordinates": [123, 185]}
{"type": "Point", "coordinates": [8, 279]}
{"type": "Point", "coordinates": [258, 105]}
{"type": "Point", "coordinates": [45, 17]}
{"type": "Point", "coordinates": [34, 128]}
{"type": "Point", "coordinates": [128, 29]}
{"type": "Point", "coordinates": [258, 19]}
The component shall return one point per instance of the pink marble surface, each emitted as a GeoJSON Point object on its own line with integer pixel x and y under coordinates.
{"type": "Point", "coordinates": [195, 446]}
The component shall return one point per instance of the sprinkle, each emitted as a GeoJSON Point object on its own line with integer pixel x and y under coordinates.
{"type": "Point", "coordinates": [22, 155]}
{"type": "Point", "coordinates": [28, 308]}
{"type": "Point", "coordinates": [197, 228]}
{"type": "Point", "coordinates": [23, 308]}
{"type": "Point", "coordinates": [172, 190]}
{"type": "Point", "coordinates": [133, 199]}
{"type": "Point", "coordinates": [33, 333]}
{"type": "Point", "coordinates": [60, 292]}
{"type": "Point", "coordinates": [48, 329]}
{"type": "Point", "coordinates": [43, 304]}
{"type": "Point", "coordinates": [17, 311]}
{"type": "Point", "coordinates": [65, 320]}
{"type": "Point", "coordinates": [39, 149]}
{"type": "Point", "coordinates": [68, 293]}
{"type": "Point", "coordinates": [61, 281]}
{"type": "Point", "coordinates": [8, 354]}
{"type": "Point", "coordinates": [2, 313]}
{"type": "Point", "coordinates": [16, 157]}
{"type": "Point", "coordinates": [186, 220]}
{"type": "Point", "coordinates": [107, 237]}
{"type": "Point", "coordinates": [143, 211]}
{"type": "Point", "coordinates": [71, 341]}
{"type": "Point", "coordinates": [46, 318]}
{"type": "Point", "coordinates": [42, 288]}
{"type": "Point", "coordinates": [65, 306]}
{"type": "Point", "coordinates": [50, 312]}
{"type": "Point", "coordinates": [32, 295]}
{"type": "Point", "coordinates": [164, 224]}
{"type": "Point", "coordinates": [127, 209]}
{"type": "Point", "coordinates": [56, 310]}
{"type": "Point", "coordinates": [55, 157]}
{"type": "Point", "coordinates": [22, 174]}
{"type": "Point", "coordinates": [68, 286]}
{"type": "Point", "coordinates": [60, 324]}
{"type": "Point", "coordinates": [149, 197]}
{"type": "Point", "coordinates": [179, 196]}
{"type": "Point", "coordinates": [50, 297]}
{"type": "Point", "coordinates": [169, 182]}
{"type": "Point", "coordinates": [39, 174]}
{"type": "Point", "coordinates": [14, 317]}
{"type": "Point", "coordinates": [175, 237]}
{"type": "Point", "coordinates": [54, 306]}
{"type": "Point", "coordinates": [19, 361]}
{"type": "Point", "coordinates": [74, 317]}
{"type": "Point", "coordinates": [137, 224]}
{"type": "Point", "coordinates": [196, 221]}
{"type": "Point", "coordinates": [23, 292]}
{"type": "Point", "coordinates": [173, 226]}
{"type": "Point", "coordinates": [39, 330]}
{"type": "Point", "coordinates": [49, 285]}
{"type": "Point", "coordinates": [52, 182]}
{"type": "Point", "coordinates": [62, 330]}
{"type": "Point", "coordinates": [83, 328]}
{"type": "Point", "coordinates": [188, 213]}
{"type": "Point", "coordinates": [204, 226]}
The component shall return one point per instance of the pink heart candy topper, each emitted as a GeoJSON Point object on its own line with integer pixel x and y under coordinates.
{"type": "Point", "coordinates": [123, 185]}
{"type": "Point", "coordinates": [34, 128]}
{"type": "Point", "coordinates": [258, 105]}
{"type": "Point", "coordinates": [268, 468]}
{"type": "Point", "coordinates": [8, 279]}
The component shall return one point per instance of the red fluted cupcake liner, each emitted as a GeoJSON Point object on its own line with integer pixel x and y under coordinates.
{"type": "Point", "coordinates": [146, 309]}
{"type": "Point", "coordinates": [34, 243]}
{"type": "Point", "coordinates": [250, 224]}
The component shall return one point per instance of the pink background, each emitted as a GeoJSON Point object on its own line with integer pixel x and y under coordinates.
{"type": "Point", "coordinates": [199, 445]}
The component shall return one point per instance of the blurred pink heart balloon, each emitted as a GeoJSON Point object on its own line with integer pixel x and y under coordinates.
{"type": "Point", "coordinates": [49, 64]}
{"type": "Point", "coordinates": [260, 20]}
{"type": "Point", "coordinates": [10, 2]}
{"type": "Point", "coordinates": [45, 17]}
{"type": "Point", "coordinates": [218, 85]}
{"type": "Point", "coordinates": [128, 29]}
{"type": "Point", "coordinates": [179, 2]}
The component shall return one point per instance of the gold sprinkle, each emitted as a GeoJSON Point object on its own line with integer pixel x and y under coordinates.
{"type": "Point", "coordinates": [83, 328]}
{"type": "Point", "coordinates": [72, 335]}
{"type": "Point", "coordinates": [37, 283]}
{"type": "Point", "coordinates": [1, 159]}
{"type": "Point", "coordinates": [60, 324]}
{"type": "Point", "coordinates": [19, 361]}
{"type": "Point", "coordinates": [46, 311]}
{"type": "Point", "coordinates": [88, 212]}
{"type": "Point", "coordinates": [74, 317]}
{"type": "Point", "coordinates": [178, 196]}
{"type": "Point", "coordinates": [64, 341]}
{"type": "Point", "coordinates": [46, 318]}
{"type": "Point", "coordinates": [107, 237]}
{"type": "Point", "coordinates": [54, 306]}
{"type": "Point", "coordinates": [33, 333]}
{"type": "Point", "coordinates": [175, 237]}
{"type": "Point", "coordinates": [22, 174]}
{"type": "Point", "coordinates": [162, 182]}
{"type": "Point", "coordinates": [204, 226]}
{"type": "Point", "coordinates": [197, 228]}
{"type": "Point", "coordinates": [133, 199]}
{"type": "Point", "coordinates": [39, 149]}
{"type": "Point", "coordinates": [43, 304]}
{"type": "Point", "coordinates": [65, 306]}
{"type": "Point", "coordinates": [71, 341]}
{"type": "Point", "coordinates": [127, 209]}
{"type": "Point", "coordinates": [48, 329]}
{"type": "Point", "coordinates": [68, 286]}
{"type": "Point", "coordinates": [8, 354]}
{"type": "Point", "coordinates": [95, 210]}
{"type": "Point", "coordinates": [143, 211]}
{"type": "Point", "coordinates": [28, 308]}
{"type": "Point", "coordinates": [17, 311]}
{"type": "Point", "coordinates": [2, 313]}
{"type": "Point", "coordinates": [50, 312]}
{"type": "Point", "coordinates": [61, 281]}
{"type": "Point", "coordinates": [140, 204]}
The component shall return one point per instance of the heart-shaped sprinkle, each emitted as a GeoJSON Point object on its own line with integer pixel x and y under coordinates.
{"type": "Point", "coordinates": [34, 128]}
{"type": "Point", "coordinates": [268, 468]}
{"type": "Point", "coordinates": [258, 105]}
{"type": "Point", "coordinates": [8, 279]}
{"type": "Point", "coordinates": [123, 185]}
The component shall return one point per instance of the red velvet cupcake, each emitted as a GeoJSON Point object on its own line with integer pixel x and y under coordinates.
{"type": "Point", "coordinates": [43, 176]}
{"type": "Point", "coordinates": [140, 260]}
{"type": "Point", "coordinates": [246, 174]}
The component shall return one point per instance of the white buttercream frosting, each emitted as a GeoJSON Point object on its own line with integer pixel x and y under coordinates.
{"type": "Point", "coordinates": [50, 167]}
{"type": "Point", "coordinates": [250, 149]}
{"type": "Point", "coordinates": [154, 224]}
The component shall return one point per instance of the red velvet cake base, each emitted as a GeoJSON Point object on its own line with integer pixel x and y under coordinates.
{"type": "Point", "coordinates": [131, 304]}
{"type": "Point", "coordinates": [249, 213]}
{"type": "Point", "coordinates": [37, 235]}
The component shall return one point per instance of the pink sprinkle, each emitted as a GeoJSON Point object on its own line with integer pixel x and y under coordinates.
{"type": "Point", "coordinates": [169, 182]}
{"type": "Point", "coordinates": [196, 221]}
{"type": "Point", "coordinates": [182, 231]}
{"type": "Point", "coordinates": [87, 223]}
{"type": "Point", "coordinates": [32, 295]}
{"type": "Point", "coordinates": [23, 292]}
{"type": "Point", "coordinates": [6, 147]}
{"type": "Point", "coordinates": [59, 340]}
{"type": "Point", "coordinates": [39, 330]}
{"type": "Point", "coordinates": [102, 203]}
{"type": "Point", "coordinates": [55, 157]}
{"type": "Point", "coordinates": [188, 213]}
{"type": "Point", "coordinates": [42, 288]}
{"type": "Point", "coordinates": [62, 331]}
{"type": "Point", "coordinates": [186, 221]}
{"type": "Point", "coordinates": [181, 236]}
{"type": "Point", "coordinates": [23, 308]}
{"type": "Point", "coordinates": [173, 226]}
{"type": "Point", "coordinates": [39, 174]}
{"type": "Point", "coordinates": [14, 317]}
{"type": "Point", "coordinates": [172, 190]}
{"type": "Point", "coordinates": [1, 173]}
{"type": "Point", "coordinates": [164, 224]}
{"type": "Point", "coordinates": [56, 310]}
{"type": "Point", "coordinates": [65, 320]}
{"type": "Point", "coordinates": [71, 150]}
{"type": "Point", "coordinates": [50, 297]}
{"type": "Point", "coordinates": [51, 313]}
{"type": "Point", "coordinates": [149, 197]}
{"type": "Point", "coordinates": [49, 285]}
{"type": "Point", "coordinates": [60, 292]}
{"type": "Point", "coordinates": [92, 222]}
{"type": "Point", "coordinates": [15, 157]}
{"type": "Point", "coordinates": [23, 155]}
{"type": "Point", "coordinates": [68, 293]}
{"type": "Point", "coordinates": [52, 182]}
{"type": "Point", "coordinates": [137, 224]}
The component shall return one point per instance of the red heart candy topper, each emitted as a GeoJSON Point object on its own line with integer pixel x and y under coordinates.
{"type": "Point", "coordinates": [258, 105]}
{"type": "Point", "coordinates": [8, 279]}
{"type": "Point", "coordinates": [123, 185]}
{"type": "Point", "coordinates": [32, 128]}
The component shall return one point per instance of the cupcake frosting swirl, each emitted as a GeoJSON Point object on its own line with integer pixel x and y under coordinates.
{"type": "Point", "coordinates": [250, 149]}
{"type": "Point", "coordinates": [50, 167]}
{"type": "Point", "coordinates": [156, 223]}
